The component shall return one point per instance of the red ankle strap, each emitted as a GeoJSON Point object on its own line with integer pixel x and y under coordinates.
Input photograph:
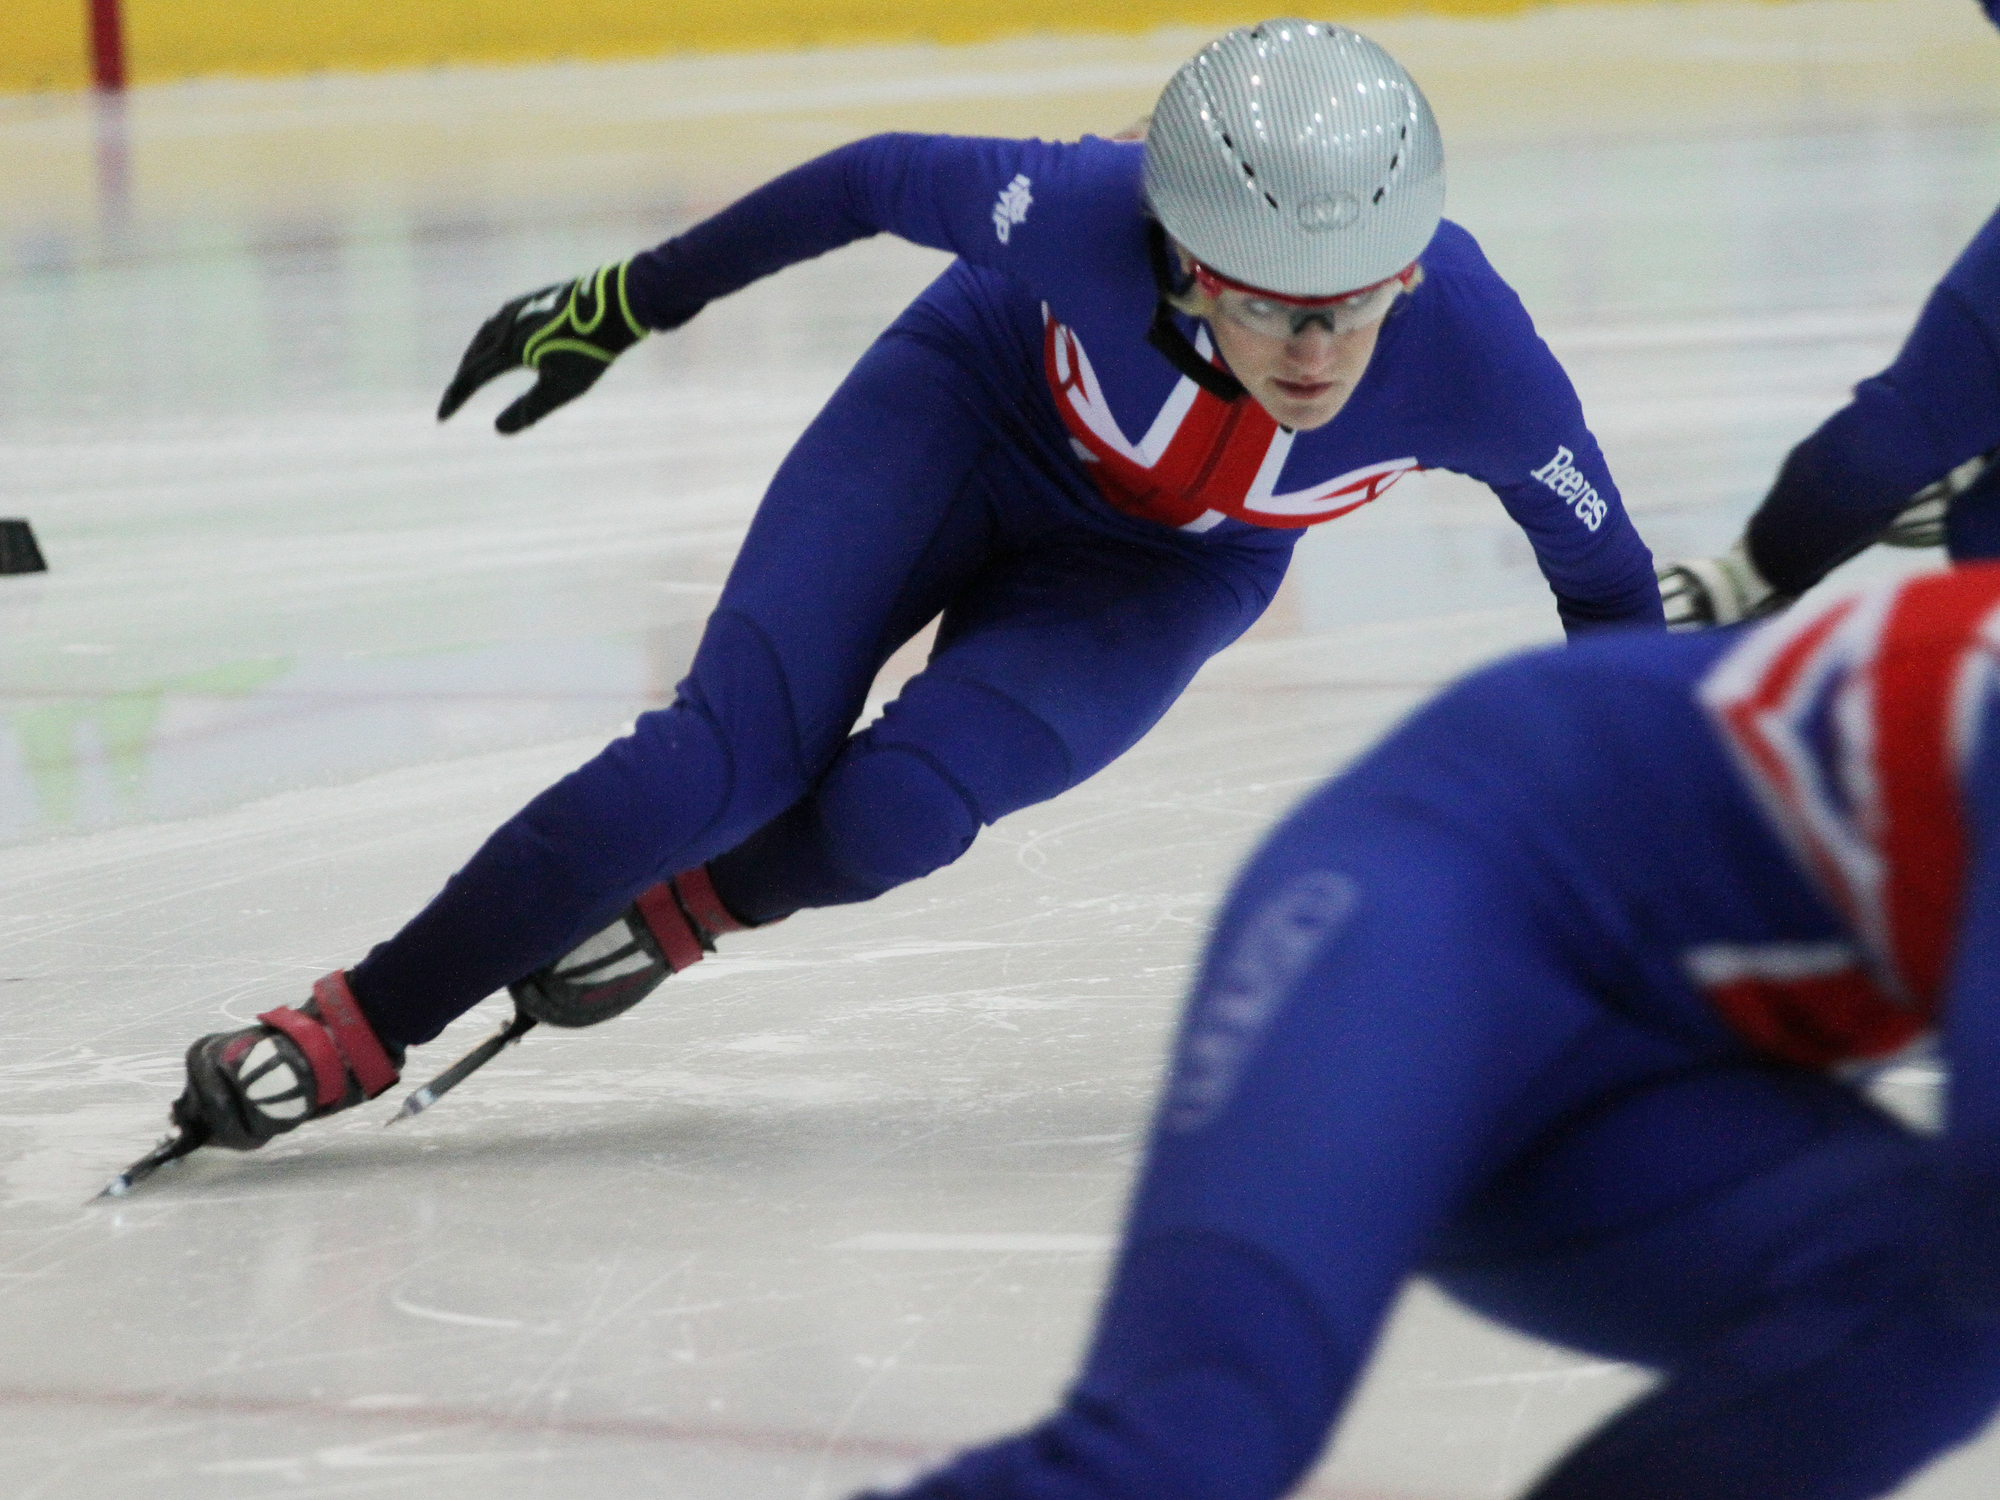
{"type": "Point", "coordinates": [366, 1058]}
{"type": "Point", "coordinates": [697, 893]}
{"type": "Point", "coordinates": [322, 1056]}
{"type": "Point", "coordinates": [679, 943]}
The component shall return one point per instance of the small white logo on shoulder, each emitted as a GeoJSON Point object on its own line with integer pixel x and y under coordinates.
{"type": "Point", "coordinates": [1013, 205]}
{"type": "Point", "coordinates": [1246, 984]}
{"type": "Point", "coordinates": [1562, 475]}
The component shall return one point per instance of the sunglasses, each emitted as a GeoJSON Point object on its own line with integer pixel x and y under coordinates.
{"type": "Point", "coordinates": [1282, 317]}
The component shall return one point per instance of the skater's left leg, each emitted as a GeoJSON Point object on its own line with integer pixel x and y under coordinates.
{"type": "Point", "coordinates": [874, 522]}
{"type": "Point", "coordinates": [1049, 667]}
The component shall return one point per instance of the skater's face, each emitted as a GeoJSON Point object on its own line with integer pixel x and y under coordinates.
{"type": "Point", "coordinates": [1302, 379]}
{"type": "Point", "coordinates": [1299, 360]}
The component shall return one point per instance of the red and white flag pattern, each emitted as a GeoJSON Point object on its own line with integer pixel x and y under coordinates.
{"type": "Point", "coordinates": [1854, 722]}
{"type": "Point", "coordinates": [1202, 459]}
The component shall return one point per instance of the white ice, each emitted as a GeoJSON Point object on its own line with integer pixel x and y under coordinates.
{"type": "Point", "coordinates": [839, 1199]}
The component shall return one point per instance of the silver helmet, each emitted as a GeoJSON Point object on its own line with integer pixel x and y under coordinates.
{"type": "Point", "coordinates": [1296, 157]}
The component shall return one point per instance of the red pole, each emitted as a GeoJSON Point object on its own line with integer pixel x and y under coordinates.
{"type": "Point", "coordinates": [107, 45]}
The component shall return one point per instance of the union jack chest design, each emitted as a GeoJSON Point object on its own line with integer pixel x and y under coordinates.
{"type": "Point", "coordinates": [1203, 459]}
{"type": "Point", "coordinates": [1854, 724]}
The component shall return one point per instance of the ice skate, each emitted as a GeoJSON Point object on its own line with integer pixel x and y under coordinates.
{"type": "Point", "coordinates": [1700, 592]}
{"type": "Point", "coordinates": [671, 926]}
{"type": "Point", "coordinates": [245, 1087]}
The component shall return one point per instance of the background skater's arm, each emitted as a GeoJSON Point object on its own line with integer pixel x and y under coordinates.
{"type": "Point", "coordinates": [1910, 441]}
{"type": "Point", "coordinates": [1515, 424]}
{"type": "Point", "coordinates": [1033, 208]}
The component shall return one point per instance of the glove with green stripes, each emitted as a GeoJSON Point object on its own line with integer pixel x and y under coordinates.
{"type": "Point", "coordinates": [567, 334]}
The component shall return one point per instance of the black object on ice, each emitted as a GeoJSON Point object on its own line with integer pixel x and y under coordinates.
{"type": "Point", "coordinates": [18, 552]}
{"type": "Point", "coordinates": [171, 1148]}
{"type": "Point", "coordinates": [466, 1066]}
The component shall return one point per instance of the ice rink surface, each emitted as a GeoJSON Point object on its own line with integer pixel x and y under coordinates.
{"type": "Point", "coordinates": [840, 1198]}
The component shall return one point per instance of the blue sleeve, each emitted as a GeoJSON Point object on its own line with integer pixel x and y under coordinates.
{"type": "Point", "coordinates": [1218, 1364]}
{"type": "Point", "coordinates": [1937, 405]}
{"type": "Point", "coordinates": [1040, 210]}
{"type": "Point", "coordinates": [1226, 1394]}
{"type": "Point", "coordinates": [1585, 544]}
{"type": "Point", "coordinates": [1518, 426]}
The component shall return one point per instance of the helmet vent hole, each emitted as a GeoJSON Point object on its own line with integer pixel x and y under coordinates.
{"type": "Point", "coordinates": [1250, 176]}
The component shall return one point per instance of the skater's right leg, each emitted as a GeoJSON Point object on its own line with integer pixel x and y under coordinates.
{"type": "Point", "coordinates": [670, 926]}
{"type": "Point", "coordinates": [871, 525]}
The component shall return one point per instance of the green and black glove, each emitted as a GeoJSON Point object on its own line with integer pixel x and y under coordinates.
{"type": "Point", "coordinates": [567, 334]}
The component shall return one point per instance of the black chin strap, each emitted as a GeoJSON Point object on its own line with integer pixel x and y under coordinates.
{"type": "Point", "coordinates": [1165, 335]}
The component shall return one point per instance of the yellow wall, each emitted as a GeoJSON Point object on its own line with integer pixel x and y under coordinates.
{"type": "Point", "coordinates": [44, 42]}
{"type": "Point", "coordinates": [43, 45]}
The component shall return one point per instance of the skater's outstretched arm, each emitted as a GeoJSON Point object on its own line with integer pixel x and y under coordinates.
{"type": "Point", "coordinates": [1046, 211]}
{"type": "Point", "coordinates": [1344, 1060]}
{"type": "Point", "coordinates": [1507, 415]}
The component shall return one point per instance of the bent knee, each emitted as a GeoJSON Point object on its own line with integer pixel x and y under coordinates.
{"type": "Point", "coordinates": [909, 795]}
{"type": "Point", "coordinates": [891, 816]}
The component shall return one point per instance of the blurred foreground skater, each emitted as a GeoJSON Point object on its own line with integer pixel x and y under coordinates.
{"type": "Point", "coordinates": [1553, 999]}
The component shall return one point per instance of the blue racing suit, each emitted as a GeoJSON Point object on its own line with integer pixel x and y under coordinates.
{"type": "Point", "coordinates": [1019, 456]}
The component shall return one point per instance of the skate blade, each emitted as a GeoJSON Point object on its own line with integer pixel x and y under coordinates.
{"type": "Point", "coordinates": [423, 1098]}
{"type": "Point", "coordinates": [171, 1148]}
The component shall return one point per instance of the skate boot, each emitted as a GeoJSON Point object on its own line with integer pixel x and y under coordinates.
{"type": "Point", "coordinates": [671, 925]}
{"type": "Point", "coordinates": [247, 1086]}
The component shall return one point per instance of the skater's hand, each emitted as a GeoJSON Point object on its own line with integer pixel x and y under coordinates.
{"type": "Point", "coordinates": [567, 334]}
{"type": "Point", "coordinates": [1699, 592]}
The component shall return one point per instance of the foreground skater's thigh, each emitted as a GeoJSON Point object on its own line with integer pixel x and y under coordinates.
{"type": "Point", "coordinates": [1760, 1235]}
{"type": "Point", "coordinates": [1049, 665]}
{"type": "Point", "coordinates": [1097, 637]}
{"type": "Point", "coordinates": [1674, 1194]}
